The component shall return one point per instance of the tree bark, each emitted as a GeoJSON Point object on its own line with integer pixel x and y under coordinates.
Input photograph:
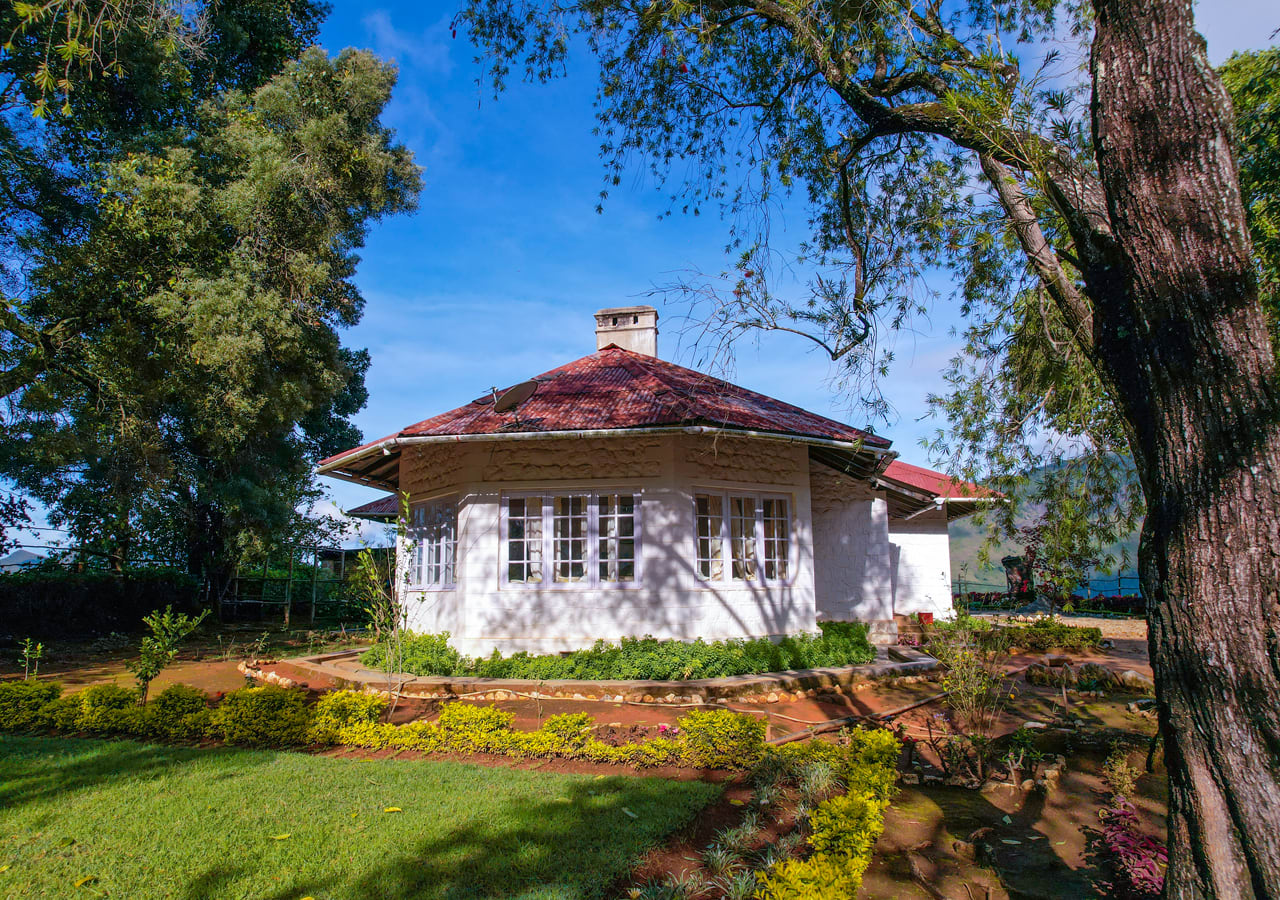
{"type": "Point", "coordinates": [1181, 337]}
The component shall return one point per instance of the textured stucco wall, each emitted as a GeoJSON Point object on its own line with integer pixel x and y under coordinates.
{"type": "Point", "coordinates": [852, 564]}
{"type": "Point", "coordinates": [665, 472]}
{"type": "Point", "coordinates": [922, 574]}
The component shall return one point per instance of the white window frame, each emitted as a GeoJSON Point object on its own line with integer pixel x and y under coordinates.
{"type": "Point", "coordinates": [415, 546]}
{"type": "Point", "coordinates": [592, 581]}
{"type": "Point", "coordinates": [726, 496]}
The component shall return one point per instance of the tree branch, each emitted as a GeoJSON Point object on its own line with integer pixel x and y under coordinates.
{"type": "Point", "coordinates": [1075, 307]}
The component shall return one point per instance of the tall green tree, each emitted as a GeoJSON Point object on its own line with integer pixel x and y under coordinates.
{"type": "Point", "coordinates": [1094, 225]}
{"type": "Point", "coordinates": [197, 370]}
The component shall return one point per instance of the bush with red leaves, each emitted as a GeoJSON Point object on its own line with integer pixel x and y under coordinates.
{"type": "Point", "coordinates": [1141, 860]}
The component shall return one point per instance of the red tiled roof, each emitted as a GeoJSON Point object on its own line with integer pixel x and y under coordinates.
{"type": "Point", "coordinates": [382, 508]}
{"type": "Point", "coordinates": [620, 389]}
{"type": "Point", "coordinates": [935, 484]}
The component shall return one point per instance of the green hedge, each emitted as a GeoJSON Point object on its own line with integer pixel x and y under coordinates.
{"type": "Point", "coordinates": [56, 603]}
{"type": "Point", "coordinates": [273, 716]}
{"type": "Point", "coordinates": [843, 830]}
{"type": "Point", "coordinates": [1050, 634]}
{"type": "Point", "coordinates": [838, 644]}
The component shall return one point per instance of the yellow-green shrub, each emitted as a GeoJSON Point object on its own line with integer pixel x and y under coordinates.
{"type": "Point", "coordinates": [267, 716]}
{"type": "Point", "coordinates": [179, 712]}
{"type": "Point", "coordinates": [21, 703]}
{"type": "Point", "coordinates": [720, 739]}
{"type": "Point", "coordinates": [573, 729]}
{"type": "Point", "coordinates": [844, 829]}
{"type": "Point", "coordinates": [866, 759]}
{"type": "Point", "coordinates": [62, 714]}
{"type": "Point", "coordinates": [110, 709]}
{"type": "Point", "coordinates": [273, 716]}
{"type": "Point", "coordinates": [337, 710]}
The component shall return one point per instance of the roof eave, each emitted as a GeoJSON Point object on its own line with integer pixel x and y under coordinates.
{"type": "Point", "coordinates": [341, 466]}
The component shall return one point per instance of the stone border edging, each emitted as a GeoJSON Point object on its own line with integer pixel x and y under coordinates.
{"type": "Point", "coordinates": [891, 662]}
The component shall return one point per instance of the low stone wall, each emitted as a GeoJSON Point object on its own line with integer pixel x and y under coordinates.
{"type": "Point", "coordinates": [343, 669]}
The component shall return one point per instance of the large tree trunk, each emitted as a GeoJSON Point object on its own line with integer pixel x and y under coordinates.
{"type": "Point", "coordinates": [1181, 336]}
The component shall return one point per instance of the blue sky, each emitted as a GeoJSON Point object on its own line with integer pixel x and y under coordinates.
{"type": "Point", "coordinates": [496, 276]}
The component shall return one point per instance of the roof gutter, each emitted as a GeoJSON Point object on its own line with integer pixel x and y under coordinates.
{"type": "Point", "coordinates": [389, 445]}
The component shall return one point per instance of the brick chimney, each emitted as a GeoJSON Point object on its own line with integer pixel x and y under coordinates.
{"type": "Point", "coordinates": [630, 327]}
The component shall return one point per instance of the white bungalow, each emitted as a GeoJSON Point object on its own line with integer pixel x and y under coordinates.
{"type": "Point", "coordinates": [629, 496]}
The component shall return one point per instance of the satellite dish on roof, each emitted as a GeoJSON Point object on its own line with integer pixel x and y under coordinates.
{"type": "Point", "coordinates": [511, 398]}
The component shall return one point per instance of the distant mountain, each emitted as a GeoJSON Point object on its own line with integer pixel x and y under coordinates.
{"type": "Point", "coordinates": [967, 539]}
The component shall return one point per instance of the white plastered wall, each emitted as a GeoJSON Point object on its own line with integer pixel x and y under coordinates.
{"type": "Point", "coordinates": [665, 471]}
{"type": "Point", "coordinates": [922, 564]}
{"type": "Point", "coordinates": [852, 564]}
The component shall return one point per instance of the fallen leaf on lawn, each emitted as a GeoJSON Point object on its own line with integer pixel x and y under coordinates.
{"type": "Point", "coordinates": [630, 813]}
{"type": "Point", "coordinates": [738, 802]}
{"type": "Point", "coordinates": [393, 809]}
{"type": "Point", "coordinates": [282, 837]}
{"type": "Point", "coordinates": [88, 879]}
{"type": "Point", "coordinates": [4, 868]}
{"type": "Point", "coordinates": [354, 814]}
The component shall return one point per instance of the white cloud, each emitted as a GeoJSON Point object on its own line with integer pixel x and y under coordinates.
{"type": "Point", "coordinates": [427, 50]}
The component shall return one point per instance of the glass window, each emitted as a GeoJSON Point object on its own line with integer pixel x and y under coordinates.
{"type": "Point", "coordinates": [710, 525]}
{"type": "Point", "coordinates": [756, 529]}
{"type": "Point", "coordinates": [777, 538]}
{"type": "Point", "coordinates": [742, 537]}
{"type": "Point", "coordinates": [524, 540]}
{"type": "Point", "coordinates": [616, 515]}
{"type": "Point", "coordinates": [433, 536]}
{"type": "Point", "coordinates": [591, 539]}
{"type": "Point", "coordinates": [569, 529]}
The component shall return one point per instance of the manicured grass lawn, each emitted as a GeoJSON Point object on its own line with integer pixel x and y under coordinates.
{"type": "Point", "coordinates": [152, 821]}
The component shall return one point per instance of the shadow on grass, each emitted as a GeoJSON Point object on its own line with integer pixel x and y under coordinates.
{"type": "Point", "coordinates": [553, 838]}
{"type": "Point", "coordinates": [79, 765]}
{"type": "Point", "coordinates": [570, 850]}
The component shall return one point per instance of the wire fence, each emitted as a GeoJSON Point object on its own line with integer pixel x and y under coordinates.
{"type": "Point", "coordinates": [306, 584]}
{"type": "Point", "coordinates": [1102, 586]}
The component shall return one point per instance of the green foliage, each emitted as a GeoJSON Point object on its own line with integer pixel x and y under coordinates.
{"type": "Point", "coordinates": [175, 366]}
{"type": "Point", "coordinates": [54, 602]}
{"type": "Point", "coordinates": [1253, 81]}
{"type": "Point", "coordinates": [864, 759]}
{"type": "Point", "coordinates": [1120, 776]}
{"type": "Point", "coordinates": [168, 630]}
{"type": "Point", "coordinates": [844, 828]}
{"type": "Point", "coordinates": [31, 654]}
{"type": "Point", "coordinates": [1049, 634]}
{"type": "Point", "coordinates": [272, 716]}
{"type": "Point", "coordinates": [263, 716]}
{"type": "Point", "coordinates": [719, 739]}
{"type": "Point", "coordinates": [110, 709]}
{"type": "Point", "coordinates": [839, 644]}
{"type": "Point", "coordinates": [179, 713]}
{"type": "Point", "coordinates": [21, 703]}
{"type": "Point", "coordinates": [337, 710]}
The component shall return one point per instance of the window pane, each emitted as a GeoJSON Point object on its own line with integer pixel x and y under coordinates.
{"type": "Point", "coordinates": [710, 524]}
{"type": "Point", "coordinates": [434, 536]}
{"type": "Point", "coordinates": [616, 526]}
{"type": "Point", "coordinates": [524, 540]}
{"type": "Point", "coordinates": [777, 539]}
{"type": "Point", "coordinates": [742, 536]}
{"type": "Point", "coordinates": [569, 535]}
